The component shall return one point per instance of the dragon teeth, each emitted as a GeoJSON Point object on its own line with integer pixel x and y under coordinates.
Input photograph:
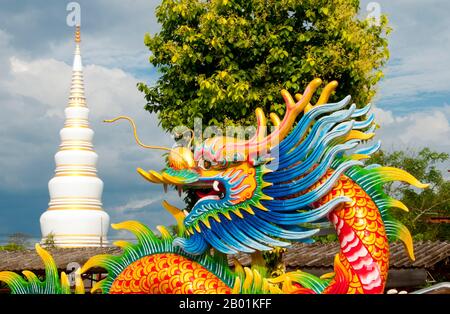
{"type": "Point", "coordinates": [165, 187]}
{"type": "Point", "coordinates": [216, 185]}
{"type": "Point", "coordinates": [180, 190]}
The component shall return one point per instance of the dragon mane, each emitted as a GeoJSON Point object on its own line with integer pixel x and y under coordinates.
{"type": "Point", "coordinates": [281, 207]}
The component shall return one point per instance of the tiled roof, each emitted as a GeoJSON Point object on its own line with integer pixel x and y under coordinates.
{"type": "Point", "coordinates": [299, 255]}
{"type": "Point", "coordinates": [30, 260]}
{"type": "Point", "coordinates": [317, 255]}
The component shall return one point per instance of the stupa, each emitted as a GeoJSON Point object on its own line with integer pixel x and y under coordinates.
{"type": "Point", "coordinates": [75, 217]}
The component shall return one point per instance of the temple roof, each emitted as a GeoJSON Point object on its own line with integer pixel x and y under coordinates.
{"type": "Point", "coordinates": [298, 256]}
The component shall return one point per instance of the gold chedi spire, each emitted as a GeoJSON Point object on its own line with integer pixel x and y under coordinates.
{"type": "Point", "coordinates": [77, 34]}
{"type": "Point", "coordinates": [77, 98]}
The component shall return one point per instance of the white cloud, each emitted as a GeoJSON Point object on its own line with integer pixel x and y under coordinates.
{"type": "Point", "coordinates": [44, 80]}
{"type": "Point", "coordinates": [111, 91]}
{"type": "Point", "coordinates": [419, 46]}
{"type": "Point", "coordinates": [429, 128]}
{"type": "Point", "coordinates": [135, 205]}
{"type": "Point", "coordinates": [383, 117]}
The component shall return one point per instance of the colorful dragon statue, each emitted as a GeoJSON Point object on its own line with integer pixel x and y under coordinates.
{"type": "Point", "coordinates": [255, 195]}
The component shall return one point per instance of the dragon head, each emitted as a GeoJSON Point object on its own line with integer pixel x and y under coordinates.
{"type": "Point", "coordinates": [253, 199]}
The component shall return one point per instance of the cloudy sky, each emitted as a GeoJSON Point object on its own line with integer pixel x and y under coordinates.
{"type": "Point", "coordinates": [36, 50]}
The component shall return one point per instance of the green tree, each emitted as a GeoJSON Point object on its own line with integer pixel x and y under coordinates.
{"type": "Point", "coordinates": [221, 59]}
{"type": "Point", "coordinates": [17, 241]}
{"type": "Point", "coordinates": [422, 204]}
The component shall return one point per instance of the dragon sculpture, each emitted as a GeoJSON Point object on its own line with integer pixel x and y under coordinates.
{"type": "Point", "coordinates": [255, 195]}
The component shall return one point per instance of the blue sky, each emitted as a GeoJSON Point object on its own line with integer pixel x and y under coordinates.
{"type": "Point", "coordinates": [36, 49]}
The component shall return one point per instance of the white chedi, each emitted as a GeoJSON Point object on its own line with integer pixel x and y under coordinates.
{"type": "Point", "coordinates": [75, 217]}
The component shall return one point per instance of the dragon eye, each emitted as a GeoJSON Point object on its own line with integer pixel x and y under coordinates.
{"type": "Point", "coordinates": [206, 164]}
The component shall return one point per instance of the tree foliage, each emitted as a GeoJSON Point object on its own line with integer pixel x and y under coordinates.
{"type": "Point", "coordinates": [221, 59]}
{"type": "Point", "coordinates": [16, 242]}
{"type": "Point", "coordinates": [422, 204]}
